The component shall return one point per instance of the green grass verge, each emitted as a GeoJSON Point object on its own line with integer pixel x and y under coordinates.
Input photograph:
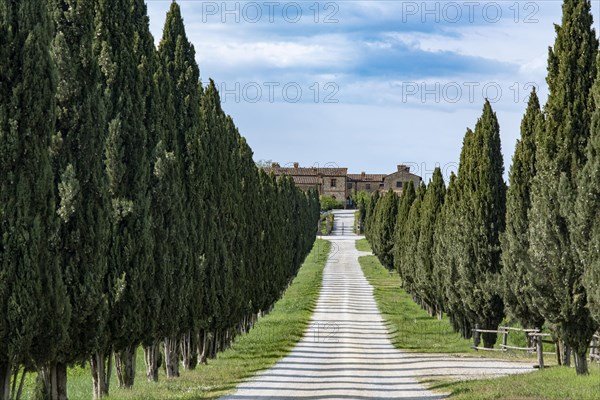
{"type": "Point", "coordinates": [272, 338]}
{"type": "Point", "coordinates": [550, 383]}
{"type": "Point", "coordinates": [363, 245]}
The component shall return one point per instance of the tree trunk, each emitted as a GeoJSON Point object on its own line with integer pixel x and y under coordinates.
{"type": "Point", "coordinates": [54, 381]}
{"type": "Point", "coordinates": [557, 347]}
{"type": "Point", "coordinates": [151, 358]}
{"type": "Point", "coordinates": [581, 363]}
{"type": "Point", "coordinates": [189, 351]}
{"type": "Point", "coordinates": [5, 375]}
{"type": "Point", "coordinates": [101, 367]}
{"type": "Point", "coordinates": [172, 357]}
{"type": "Point", "coordinates": [125, 364]}
{"type": "Point", "coordinates": [566, 354]}
{"type": "Point", "coordinates": [204, 343]}
{"type": "Point", "coordinates": [489, 339]}
{"type": "Point", "coordinates": [212, 345]}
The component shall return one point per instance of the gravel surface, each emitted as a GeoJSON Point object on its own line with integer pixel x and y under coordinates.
{"type": "Point", "coordinates": [347, 354]}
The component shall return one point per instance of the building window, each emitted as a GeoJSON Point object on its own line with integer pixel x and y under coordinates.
{"type": "Point", "coordinates": [333, 182]}
{"type": "Point", "coordinates": [350, 186]}
{"type": "Point", "coordinates": [368, 186]}
{"type": "Point", "coordinates": [399, 184]}
{"type": "Point", "coordinates": [381, 185]}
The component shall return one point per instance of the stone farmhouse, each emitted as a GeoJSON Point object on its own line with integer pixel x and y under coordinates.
{"type": "Point", "coordinates": [336, 182]}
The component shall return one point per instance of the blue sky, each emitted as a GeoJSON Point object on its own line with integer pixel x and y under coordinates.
{"type": "Point", "coordinates": [369, 84]}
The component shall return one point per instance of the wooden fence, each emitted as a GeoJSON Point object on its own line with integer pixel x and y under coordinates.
{"type": "Point", "coordinates": [535, 342]}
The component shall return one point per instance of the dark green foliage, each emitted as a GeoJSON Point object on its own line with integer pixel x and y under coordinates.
{"type": "Point", "coordinates": [409, 242]}
{"type": "Point", "coordinates": [127, 58]}
{"type": "Point", "coordinates": [517, 266]}
{"type": "Point", "coordinates": [558, 284]}
{"type": "Point", "coordinates": [177, 203]}
{"type": "Point", "coordinates": [586, 234]}
{"type": "Point", "coordinates": [445, 260]}
{"type": "Point", "coordinates": [82, 186]}
{"type": "Point", "coordinates": [481, 219]}
{"type": "Point", "coordinates": [408, 197]}
{"type": "Point", "coordinates": [370, 215]}
{"type": "Point", "coordinates": [382, 231]}
{"type": "Point", "coordinates": [425, 285]}
{"type": "Point", "coordinates": [34, 306]}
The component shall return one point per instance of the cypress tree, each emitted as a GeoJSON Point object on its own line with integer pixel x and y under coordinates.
{"type": "Point", "coordinates": [178, 56]}
{"type": "Point", "coordinates": [215, 227]}
{"type": "Point", "coordinates": [408, 197]}
{"type": "Point", "coordinates": [557, 285]}
{"type": "Point", "coordinates": [370, 216]}
{"type": "Point", "coordinates": [586, 234]}
{"type": "Point", "coordinates": [126, 53]}
{"type": "Point", "coordinates": [515, 241]}
{"type": "Point", "coordinates": [83, 198]}
{"type": "Point", "coordinates": [387, 209]}
{"type": "Point", "coordinates": [425, 285]}
{"type": "Point", "coordinates": [410, 239]}
{"type": "Point", "coordinates": [34, 306]}
{"type": "Point", "coordinates": [481, 208]}
{"type": "Point", "coordinates": [445, 258]}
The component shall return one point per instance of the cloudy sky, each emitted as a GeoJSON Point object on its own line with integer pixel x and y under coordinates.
{"type": "Point", "coordinates": [369, 84]}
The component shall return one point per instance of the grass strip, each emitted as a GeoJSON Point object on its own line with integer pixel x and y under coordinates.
{"type": "Point", "coordinates": [363, 245]}
{"type": "Point", "coordinates": [549, 383]}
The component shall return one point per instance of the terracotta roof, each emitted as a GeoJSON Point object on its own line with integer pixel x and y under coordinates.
{"type": "Point", "coordinates": [308, 171]}
{"type": "Point", "coordinates": [367, 177]}
{"type": "Point", "coordinates": [306, 180]}
{"type": "Point", "coordinates": [406, 174]}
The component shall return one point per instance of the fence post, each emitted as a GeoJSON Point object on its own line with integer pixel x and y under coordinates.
{"type": "Point", "coordinates": [540, 351]}
{"type": "Point", "coordinates": [594, 350]}
{"type": "Point", "coordinates": [504, 338]}
{"type": "Point", "coordinates": [476, 339]}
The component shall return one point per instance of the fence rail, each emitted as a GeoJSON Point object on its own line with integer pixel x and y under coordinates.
{"type": "Point", "coordinates": [535, 338]}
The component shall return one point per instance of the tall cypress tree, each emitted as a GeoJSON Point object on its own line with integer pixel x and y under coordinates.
{"type": "Point", "coordinates": [34, 306]}
{"type": "Point", "coordinates": [515, 241]}
{"type": "Point", "coordinates": [177, 54]}
{"type": "Point", "coordinates": [370, 216]}
{"type": "Point", "coordinates": [425, 284]}
{"type": "Point", "coordinates": [586, 234]}
{"type": "Point", "coordinates": [481, 208]}
{"type": "Point", "coordinates": [81, 185]}
{"type": "Point", "coordinates": [126, 53]}
{"type": "Point", "coordinates": [558, 291]}
{"type": "Point", "coordinates": [410, 239]}
{"type": "Point", "coordinates": [408, 196]}
{"type": "Point", "coordinates": [387, 209]}
{"type": "Point", "coordinates": [445, 260]}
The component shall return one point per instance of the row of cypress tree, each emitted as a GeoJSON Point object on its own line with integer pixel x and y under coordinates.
{"type": "Point", "coordinates": [131, 211]}
{"type": "Point", "coordinates": [479, 249]}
